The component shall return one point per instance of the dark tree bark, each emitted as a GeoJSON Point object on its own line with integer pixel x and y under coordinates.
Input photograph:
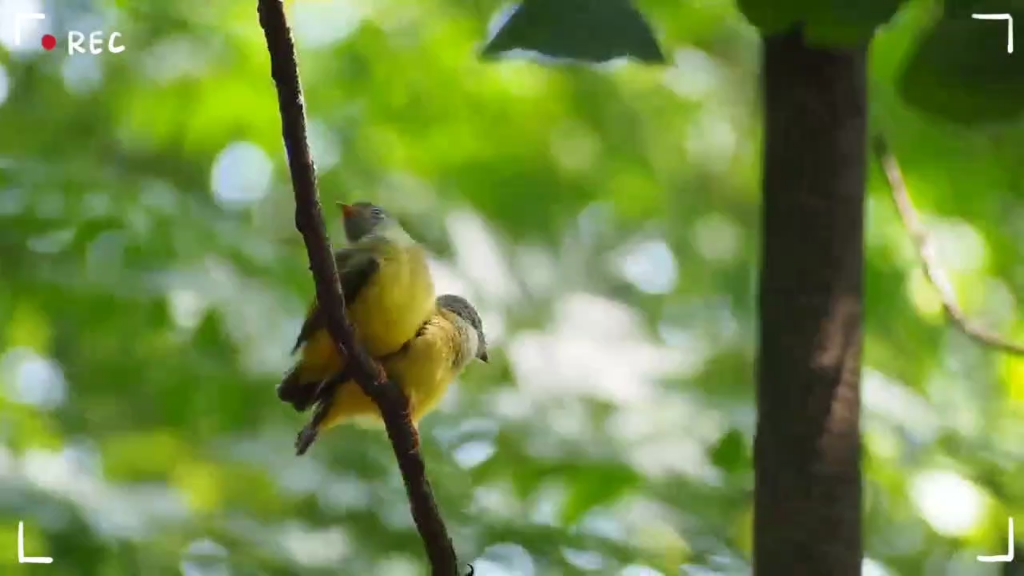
{"type": "Point", "coordinates": [807, 449]}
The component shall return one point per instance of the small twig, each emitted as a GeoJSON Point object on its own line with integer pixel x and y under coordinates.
{"type": "Point", "coordinates": [393, 405]}
{"type": "Point", "coordinates": [932, 270]}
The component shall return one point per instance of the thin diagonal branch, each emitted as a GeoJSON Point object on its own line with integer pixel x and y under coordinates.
{"type": "Point", "coordinates": [393, 405]}
{"type": "Point", "coordinates": [933, 271]}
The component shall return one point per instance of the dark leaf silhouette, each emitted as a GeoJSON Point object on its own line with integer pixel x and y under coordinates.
{"type": "Point", "coordinates": [585, 30]}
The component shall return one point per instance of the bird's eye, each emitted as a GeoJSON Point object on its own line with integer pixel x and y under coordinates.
{"type": "Point", "coordinates": [377, 212]}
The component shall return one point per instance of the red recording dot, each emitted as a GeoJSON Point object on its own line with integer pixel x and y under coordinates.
{"type": "Point", "coordinates": [49, 42]}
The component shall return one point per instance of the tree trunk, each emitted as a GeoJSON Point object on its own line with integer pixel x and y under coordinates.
{"type": "Point", "coordinates": [807, 450]}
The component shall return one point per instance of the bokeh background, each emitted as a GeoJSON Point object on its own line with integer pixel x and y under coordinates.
{"type": "Point", "coordinates": [603, 218]}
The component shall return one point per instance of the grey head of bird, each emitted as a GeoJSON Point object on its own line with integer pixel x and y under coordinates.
{"type": "Point", "coordinates": [465, 311]}
{"type": "Point", "coordinates": [363, 219]}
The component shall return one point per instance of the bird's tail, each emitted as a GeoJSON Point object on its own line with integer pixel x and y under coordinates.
{"type": "Point", "coordinates": [323, 395]}
{"type": "Point", "coordinates": [296, 391]}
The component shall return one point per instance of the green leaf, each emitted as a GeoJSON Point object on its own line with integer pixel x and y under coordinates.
{"type": "Point", "coordinates": [825, 22]}
{"type": "Point", "coordinates": [843, 23]}
{"type": "Point", "coordinates": [772, 17]}
{"type": "Point", "coordinates": [962, 72]}
{"type": "Point", "coordinates": [212, 336]}
{"type": "Point", "coordinates": [593, 485]}
{"type": "Point", "coordinates": [584, 30]}
{"type": "Point", "coordinates": [731, 453]}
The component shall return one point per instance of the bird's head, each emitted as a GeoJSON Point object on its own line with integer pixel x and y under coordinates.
{"type": "Point", "coordinates": [363, 219]}
{"type": "Point", "coordinates": [466, 312]}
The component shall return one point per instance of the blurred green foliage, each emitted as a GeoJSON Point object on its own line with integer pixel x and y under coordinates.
{"type": "Point", "coordinates": [605, 221]}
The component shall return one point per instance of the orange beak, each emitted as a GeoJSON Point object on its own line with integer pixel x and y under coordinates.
{"type": "Point", "coordinates": [347, 210]}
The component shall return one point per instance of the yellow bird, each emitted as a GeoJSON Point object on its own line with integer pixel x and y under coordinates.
{"type": "Point", "coordinates": [423, 368]}
{"type": "Point", "coordinates": [389, 295]}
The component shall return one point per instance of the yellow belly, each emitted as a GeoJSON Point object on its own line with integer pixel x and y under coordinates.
{"type": "Point", "coordinates": [396, 302]}
{"type": "Point", "coordinates": [388, 312]}
{"type": "Point", "coordinates": [320, 358]}
{"type": "Point", "coordinates": [423, 371]}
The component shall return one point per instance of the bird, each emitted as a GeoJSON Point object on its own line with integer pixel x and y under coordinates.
{"type": "Point", "coordinates": [423, 368]}
{"type": "Point", "coordinates": [389, 295]}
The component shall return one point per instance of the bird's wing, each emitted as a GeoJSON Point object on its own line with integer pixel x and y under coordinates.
{"type": "Point", "coordinates": [356, 266]}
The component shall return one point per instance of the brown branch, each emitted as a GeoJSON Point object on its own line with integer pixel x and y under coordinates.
{"type": "Point", "coordinates": [393, 405]}
{"type": "Point", "coordinates": [922, 241]}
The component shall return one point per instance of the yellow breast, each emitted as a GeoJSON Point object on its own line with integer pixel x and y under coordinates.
{"type": "Point", "coordinates": [396, 302]}
{"type": "Point", "coordinates": [424, 370]}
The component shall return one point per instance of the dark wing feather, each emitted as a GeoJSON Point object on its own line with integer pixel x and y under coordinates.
{"type": "Point", "coordinates": [355, 269]}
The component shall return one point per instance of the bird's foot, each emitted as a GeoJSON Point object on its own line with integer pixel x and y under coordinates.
{"type": "Point", "coordinates": [305, 439]}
